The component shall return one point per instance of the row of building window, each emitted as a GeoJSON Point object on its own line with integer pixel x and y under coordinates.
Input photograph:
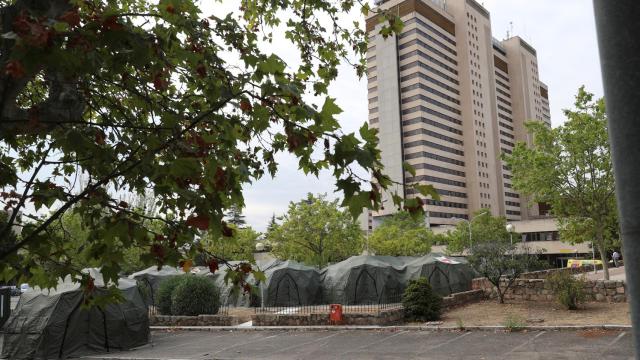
{"type": "Point", "coordinates": [424, 154]}
{"type": "Point", "coordinates": [504, 133]}
{"type": "Point", "coordinates": [442, 215]}
{"type": "Point", "coordinates": [503, 92]}
{"type": "Point", "coordinates": [423, 120]}
{"type": "Point", "coordinates": [505, 117]}
{"type": "Point", "coordinates": [511, 212]}
{"type": "Point", "coordinates": [422, 65]}
{"type": "Point", "coordinates": [439, 169]}
{"type": "Point", "coordinates": [373, 110]}
{"type": "Point", "coordinates": [373, 89]}
{"type": "Point", "coordinates": [506, 126]}
{"type": "Point", "coordinates": [430, 101]}
{"type": "Point", "coordinates": [512, 195]}
{"type": "Point", "coordinates": [541, 236]}
{"type": "Point", "coordinates": [371, 69]}
{"type": "Point", "coordinates": [507, 176]}
{"type": "Point", "coordinates": [431, 90]}
{"type": "Point", "coordinates": [432, 112]}
{"type": "Point", "coordinates": [506, 151]}
{"type": "Point", "coordinates": [374, 120]}
{"type": "Point", "coordinates": [431, 80]}
{"type": "Point", "coordinates": [422, 44]}
{"type": "Point", "coordinates": [411, 191]}
{"type": "Point", "coordinates": [431, 38]}
{"type": "Point", "coordinates": [434, 146]}
{"type": "Point", "coordinates": [432, 28]}
{"type": "Point", "coordinates": [507, 142]}
{"type": "Point", "coordinates": [512, 203]}
{"type": "Point", "coordinates": [446, 204]}
{"type": "Point", "coordinates": [373, 99]}
{"type": "Point", "coordinates": [429, 58]}
{"type": "Point", "coordinates": [433, 134]}
{"type": "Point", "coordinates": [498, 74]}
{"type": "Point", "coordinates": [503, 84]}
{"type": "Point", "coordinates": [504, 109]}
{"type": "Point", "coordinates": [430, 178]}
{"type": "Point", "coordinates": [504, 101]}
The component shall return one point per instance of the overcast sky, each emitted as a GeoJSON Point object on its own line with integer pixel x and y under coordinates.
{"type": "Point", "coordinates": [563, 33]}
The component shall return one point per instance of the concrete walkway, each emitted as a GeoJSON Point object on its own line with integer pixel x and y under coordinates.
{"type": "Point", "coordinates": [381, 344]}
{"type": "Point", "coordinates": [614, 274]}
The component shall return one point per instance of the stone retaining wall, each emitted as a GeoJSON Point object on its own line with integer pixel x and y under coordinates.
{"type": "Point", "coordinates": [539, 289]}
{"type": "Point", "coordinates": [385, 317]}
{"type": "Point", "coordinates": [543, 274]}
{"type": "Point", "coordinates": [462, 298]}
{"type": "Point", "coordinates": [200, 320]}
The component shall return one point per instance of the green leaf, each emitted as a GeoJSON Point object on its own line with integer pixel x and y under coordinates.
{"type": "Point", "coordinates": [409, 168]}
{"type": "Point", "coordinates": [427, 190]}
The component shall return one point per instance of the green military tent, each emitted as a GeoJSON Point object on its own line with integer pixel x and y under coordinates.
{"type": "Point", "coordinates": [53, 324]}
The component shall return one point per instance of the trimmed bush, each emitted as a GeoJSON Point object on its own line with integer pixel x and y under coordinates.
{"type": "Point", "coordinates": [420, 302]}
{"type": "Point", "coordinates": [195, 295]}
{"type": "Point", "coordinates": [567, 289]}
{"type": "Point", "coordinates": [165, 290]}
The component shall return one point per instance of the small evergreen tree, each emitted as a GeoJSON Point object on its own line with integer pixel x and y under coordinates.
{"type": "Point", "coordinates": [235, 217]}
{"type": "Point", "coordinates": [420, 302]}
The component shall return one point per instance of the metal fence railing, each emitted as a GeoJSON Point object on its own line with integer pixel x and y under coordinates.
{"type": "Point", "coordinates": [387, 302]}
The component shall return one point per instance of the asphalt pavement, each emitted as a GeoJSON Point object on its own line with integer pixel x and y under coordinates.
{"type": "Point", "coordinates": [381, 344]}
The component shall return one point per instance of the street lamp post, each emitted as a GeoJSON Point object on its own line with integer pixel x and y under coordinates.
{"type": "Point", "coordinates": [469, 225]}
{"type": "Point", "coordinates": [510, 229]}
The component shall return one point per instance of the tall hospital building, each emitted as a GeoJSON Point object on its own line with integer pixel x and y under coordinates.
{"type": "Point", "coordinates": [449, 99]}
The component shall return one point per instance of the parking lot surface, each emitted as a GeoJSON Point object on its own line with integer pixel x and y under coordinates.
{"type": "Point", "coordinates": [379, 344]}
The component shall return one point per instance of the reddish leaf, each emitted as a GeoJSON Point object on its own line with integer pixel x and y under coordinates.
{"type": "Point", "coordinates": [186, 265]}
{"type": "Point", "coordinates": [71, 17]}
{"type": "Point", "coordinates": [123, 204]}
{"type": "Point", "coordinates": [246, 288]}
{"type": "Point", "coordinates": [111, 23]}
{"type": "Point", "coordinates": [90, 284]}
{"type": "Point", "coordinates": [171, 9]}
{"type": "Point", "coordinates": [220, 179]}
{"type": "Point", "coordinates": [159, 82]}
{"type": "Point", "coordinates": [157, 251]}
{"type": "Point", "coordinates": [213, 265]}
{"type": "Point", "coordinates": [245, 268]}
{"type": "Point", "coordinates": [201, 222]}
{"type": "Point", "coordinates": [245, 106]}
{"type": "Point", "coordinates": [201, 70]}
{"type": "Point", "coordinates": [14, 69]}
{"type": "Point", "coordinates": [226, 230]}
{"type": "Point", "coordinates": [100, 137]}
{"type": "Point", "coordinates": [22, 25]}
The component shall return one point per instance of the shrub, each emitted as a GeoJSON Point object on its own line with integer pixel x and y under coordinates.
{"type": "Point", "coordinates": [420, 302]}
{"type": "Point", "coordinates": [165, 290]}
{"type": "Point", "coordinates": [195, 295]}
{"type": "Point", "coordinates": [514, 322]}
{"type": "Point", "coordinates": [567, 289]}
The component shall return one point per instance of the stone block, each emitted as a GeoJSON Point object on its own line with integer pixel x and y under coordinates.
{"type": "Point", "coordinates": [619, 298]}
{"type": "Point", "coordinates": [600, 297]}
{"type": "Point", "coordinates": [610, 284]}
{"type": "Point", "coordinates": [620, 290]}
{"type": "Point", "coordinates": [611, 292]}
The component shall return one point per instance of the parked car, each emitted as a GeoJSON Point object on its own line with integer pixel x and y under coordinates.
{"type": "Point", "coordinates": [24, 288]}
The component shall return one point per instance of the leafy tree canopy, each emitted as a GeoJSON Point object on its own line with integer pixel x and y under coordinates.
{"type": "Point", "coordinates": [401, 235]}
{"type": "Point", "coordinates": [235, 217]}
{"type": "Point", "coordinates": [238, 247]}
{"type": "Point", "coordinates": [485, 228]}
{"type": "Point", "coordinates": [316, 231]}
{"type": "Point", "coordinates": [570, 168]}
{"type": "Point", "coordinates": [139, 96]}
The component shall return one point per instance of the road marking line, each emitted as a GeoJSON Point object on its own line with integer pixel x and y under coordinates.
{"type": "Point", "coordinates": [613, 342]}
{"type": "Point", "coordinates": [308, 342]}
{"type": "Point", "coordinates": [373, 343]}
{"type": "Point", "coordinates": [529, 341]}
{"type": "Point", "coordinates": [449, 341]}
{"type": "Point", "coordinates": [245, 343]}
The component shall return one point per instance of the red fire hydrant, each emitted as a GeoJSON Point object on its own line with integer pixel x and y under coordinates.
{"type": "Point", "coordinates": [335, 316]}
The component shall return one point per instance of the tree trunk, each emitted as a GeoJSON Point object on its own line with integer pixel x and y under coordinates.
{"type": "Point", "coordinates": [603, 252]}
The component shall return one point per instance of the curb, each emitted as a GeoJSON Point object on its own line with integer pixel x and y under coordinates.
{"type": "Point", "coordinates": [393, 328]}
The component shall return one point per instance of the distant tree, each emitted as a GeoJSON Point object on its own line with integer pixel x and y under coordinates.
{"type": "Point", "coordinates": [272, 224]}
{"type": "Point", "coordinates": [570, 168]}
{"type": "Point", "coordinates": [239, 246]}
{"type": "Point", "coordinates": [316, 231]}
{"type": "Point", "coordinates": [502, 263]}
{"type": "Point", "coordinates": [484, 228]}
{"type": "Point", "coordinates": [401, 235]}
{"type": "Point", "coordinates": [234, 216]}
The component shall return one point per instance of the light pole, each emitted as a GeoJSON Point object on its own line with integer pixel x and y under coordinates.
{"type": "Point", "coordinates": [469, 224]}
{"type": "Point", "coordinates": [510, 228]}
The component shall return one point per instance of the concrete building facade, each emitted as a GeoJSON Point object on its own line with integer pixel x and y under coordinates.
{"type": "Point", "coordinates": [449, 99]}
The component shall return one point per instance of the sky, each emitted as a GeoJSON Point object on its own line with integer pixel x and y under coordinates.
{"type": "Point", "coordinates": [562, 32]}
